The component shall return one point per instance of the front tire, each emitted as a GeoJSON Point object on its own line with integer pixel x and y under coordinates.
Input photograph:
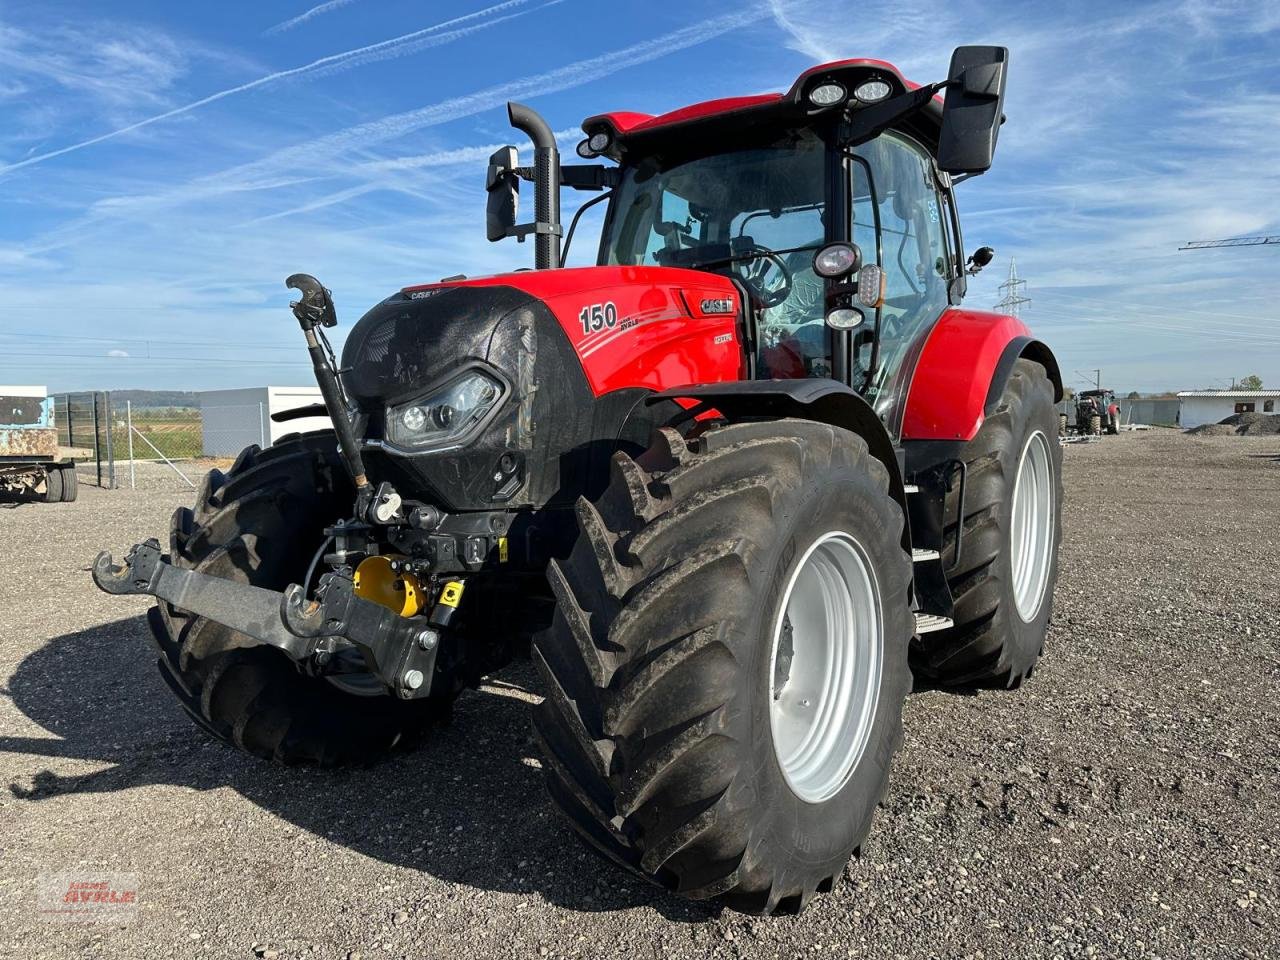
{"type": "Point", "coordinates": [670, 677]}
{"type": "Point", "coordinates": [1003, 588]}
{"type": "Point", "coordinates": [262, 523]}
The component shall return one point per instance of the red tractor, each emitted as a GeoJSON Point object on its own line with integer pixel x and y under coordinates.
{"type": "Point", "coordinates": [730, 488]}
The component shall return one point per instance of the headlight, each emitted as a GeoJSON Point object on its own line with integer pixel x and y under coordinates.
{"type": "Point", "coordinates": [836, 259]}
{"type": "Point", "coordinates": [445, 416]}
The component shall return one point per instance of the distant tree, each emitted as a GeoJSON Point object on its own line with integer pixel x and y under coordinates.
{"type": "Point", "coordinates": [1251, 382]}
{"type": "Point", "coordinates": [1068, 393]}
{"type": "Point", "coordinates": [1134, 395]}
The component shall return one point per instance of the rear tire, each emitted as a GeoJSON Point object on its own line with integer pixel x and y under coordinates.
{"type": "Point", "coordinates": [52, 486]}
{"type": "Point", "coordinates": [666, 674]}
{"type": "Point", "coordinates": [70, 483]}
{"type": "Point", "coordinates": [262, 523]}
{"type": "Point", "coordinates": [994, 642]}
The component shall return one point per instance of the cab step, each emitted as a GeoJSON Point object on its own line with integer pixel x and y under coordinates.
{"type": "Point", "coordinates": [929, 622]}
{"type": "Point", "coordinates": [919, 555]}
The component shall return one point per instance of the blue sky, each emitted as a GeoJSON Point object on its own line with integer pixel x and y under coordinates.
{"type": "Point", "coordinates": [164, 166]}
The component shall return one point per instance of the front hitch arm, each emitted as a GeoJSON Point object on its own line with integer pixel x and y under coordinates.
{"type": "Point", "coordinates": [399, 651]}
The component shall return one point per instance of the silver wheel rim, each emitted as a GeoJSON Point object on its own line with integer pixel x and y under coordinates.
{"type": "Point", "coordinates": [1031, 527]}
{"type": "Point", "coordinates": [825, 666]}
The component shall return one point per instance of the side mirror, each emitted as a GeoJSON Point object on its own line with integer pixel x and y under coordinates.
{"type": "Point", "coordinates": [973, 109]}
{"type": "Point", "coordinates": [503, 187]}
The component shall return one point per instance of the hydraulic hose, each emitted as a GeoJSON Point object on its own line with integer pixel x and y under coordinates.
{"type": "Point", "coordinates": [315, 308]}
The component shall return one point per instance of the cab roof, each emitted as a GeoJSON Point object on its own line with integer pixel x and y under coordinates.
{"type": "Point", "coordinates": [627, 128]}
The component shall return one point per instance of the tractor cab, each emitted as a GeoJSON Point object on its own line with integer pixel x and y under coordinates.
{"type": "Point", "coordinates": [830, 207]}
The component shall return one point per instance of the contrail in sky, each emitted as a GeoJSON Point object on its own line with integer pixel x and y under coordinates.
{"type": "Point", "coordinates": [386, 49]}
{"type": "Point", "coordinates": [317, 10]}
{"type": "Point", "coordinates": [552, 81]}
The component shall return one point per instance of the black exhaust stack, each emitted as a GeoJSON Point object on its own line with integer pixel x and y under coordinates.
{"type": "Point", "coordinates": [546, 184]}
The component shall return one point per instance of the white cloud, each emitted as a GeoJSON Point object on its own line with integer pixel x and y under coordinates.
{"type": "Point", "coordinates": [117, 353]}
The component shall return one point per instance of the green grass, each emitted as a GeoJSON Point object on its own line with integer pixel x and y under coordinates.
{"type": "Point", "coordinates": [177, 436]}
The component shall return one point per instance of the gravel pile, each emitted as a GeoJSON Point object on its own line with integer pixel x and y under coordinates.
{"type": "Point", "coordinates": [1241, 424]}
{"type": "Point", "coordinates": [1125, 803]}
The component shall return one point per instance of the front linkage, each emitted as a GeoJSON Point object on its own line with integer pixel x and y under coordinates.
{"type": "Point", "coordinates": [399, 651]}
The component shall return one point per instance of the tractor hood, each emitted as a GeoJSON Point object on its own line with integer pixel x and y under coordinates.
{"type": "Point", "coordinates": [574, 352]}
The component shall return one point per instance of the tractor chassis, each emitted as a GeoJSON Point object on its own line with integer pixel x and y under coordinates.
{"type": "Point", "coordinates": [399, 651]}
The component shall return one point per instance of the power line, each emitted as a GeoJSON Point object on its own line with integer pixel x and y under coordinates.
{"type": "Point", "coordinates": [1217, 336]}
{"type": "Point", "coordinates": [1097, 378]}
{"type": "Point", "coordinates": [296, 348]}
{"type": "Point", "coordinates": [1212, 314]}
{"type": "Point", "coordinates": [1187, 325]}
{"type": "Point", "coordinates": [195, 360]}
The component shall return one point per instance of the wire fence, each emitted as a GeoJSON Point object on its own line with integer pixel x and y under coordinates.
{"type": "Point", "coordinates": [83, 421]}
{"type": "Point", "coordinates": [173, 433]}
{"type": "Point", "coordinates": [114, 444]}
{"type": "Point", "coordinates": [178, 436]}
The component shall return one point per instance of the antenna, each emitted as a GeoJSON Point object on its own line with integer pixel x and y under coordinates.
{"type": "Point", "coordinates": [1012, 290]}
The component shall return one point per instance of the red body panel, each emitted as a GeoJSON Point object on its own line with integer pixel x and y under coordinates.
{"type": "Point", "coordinates": [660, 337]}
{"type": "Point", "coordinates": [626, 122]}
{"type": "Point", "coordinates": [949, 390]}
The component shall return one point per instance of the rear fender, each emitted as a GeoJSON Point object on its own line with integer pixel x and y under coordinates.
{"type": "Point", "coordinates": [962, 372]}
{"type": "Point", "coordinates": [820, 400]}
{"type": "Point", "coordinates": [1022, 348]}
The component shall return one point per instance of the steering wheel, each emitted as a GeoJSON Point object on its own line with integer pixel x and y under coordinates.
{"type": "Point", "coordinates": [754, 272]}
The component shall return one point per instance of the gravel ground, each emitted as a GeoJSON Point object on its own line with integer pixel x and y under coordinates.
{"type": "Point", "coordinates": [1123, 804]}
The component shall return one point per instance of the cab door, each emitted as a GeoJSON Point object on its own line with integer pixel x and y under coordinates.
{"type": "Point", "coordinates": [899, 221]}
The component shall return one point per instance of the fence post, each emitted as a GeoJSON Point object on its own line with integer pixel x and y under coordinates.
{"type": "Point", "coordinates": [128, 421]}
{"type": "Point", "coordinates": [111, 456]}
{"type": "Point", "coordinates": [97, 436]}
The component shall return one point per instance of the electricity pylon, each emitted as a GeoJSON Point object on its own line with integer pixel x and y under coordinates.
{"type": "Point", "coordinates": [1012, 290]}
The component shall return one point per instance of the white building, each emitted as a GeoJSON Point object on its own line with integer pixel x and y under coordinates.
{"type": "Point", "coordinates": [1198, 407]}
{"type": "Point", "coordinates": [233, 419]}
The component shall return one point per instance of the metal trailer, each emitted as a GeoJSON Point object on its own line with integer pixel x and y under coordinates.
{"type": "Point", "coordinates": [32, 464]}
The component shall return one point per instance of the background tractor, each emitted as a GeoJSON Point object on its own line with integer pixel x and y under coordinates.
{"type": "Point", "coordinates": [728, 488]}
{"type": "Point", "coordinates": [1097, 412]}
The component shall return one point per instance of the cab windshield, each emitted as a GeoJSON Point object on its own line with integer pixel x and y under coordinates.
{"type": "Point", "coordinates": [756, 213]}
{"type": "Point", "coordinates": [759, 213]}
